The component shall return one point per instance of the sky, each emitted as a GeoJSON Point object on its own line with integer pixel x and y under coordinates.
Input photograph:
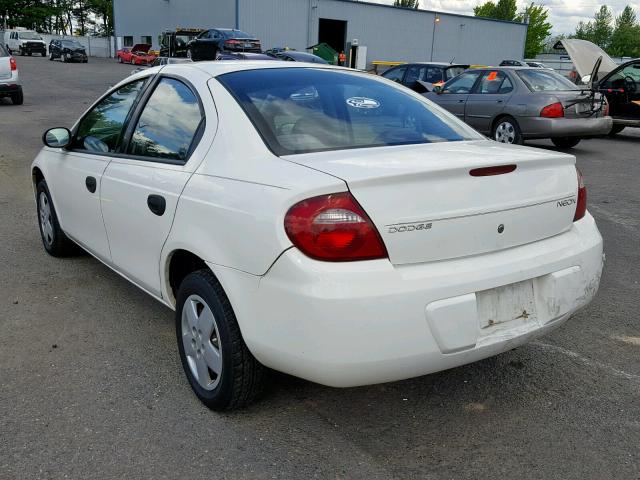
{"type": "Point", "coordinates": [564, 14]}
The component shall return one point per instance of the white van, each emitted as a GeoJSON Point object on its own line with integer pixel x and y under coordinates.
{"type": "Point", "coordinates": [25, 42]}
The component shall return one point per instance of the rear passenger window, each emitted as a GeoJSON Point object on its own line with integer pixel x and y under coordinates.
{"type": "Point", "coordinates": [506, 87]}
{"type": "Point", "coordinates": [168, 124]}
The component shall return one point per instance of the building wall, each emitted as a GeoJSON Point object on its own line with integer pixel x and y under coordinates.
{"type": "Point", "coordinates": [389, 33]}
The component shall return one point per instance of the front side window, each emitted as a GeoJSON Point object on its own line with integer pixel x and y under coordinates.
{"type": "Point", "coordinates": [538, 80]}
{"type": "Point", "coordinates": [300, 110]}
{"type": "Point", "coordinates": [622, 78]}
{"type": "Point", "coordinates": [101, 130]}
{"type": "Point", "coordinates": [395, 74]}
{"type": "Point", "coordinates": [168, 124]}
{"type": "Point", "coordinates": [415, 73]}
{"type": "Point", "coordinates": [462, 83]}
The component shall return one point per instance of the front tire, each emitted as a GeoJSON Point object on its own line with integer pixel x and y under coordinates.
{"type": "Point", "coordinates": [55, 242]}
{"type": "Point", "coordinates": [221, 370]}
{"type": "Point", "coordinates": [51, 57]}
{"type": "Point", "coordinates": [507, 130]}
{"type": "Point", "coordinates": [566, 142]}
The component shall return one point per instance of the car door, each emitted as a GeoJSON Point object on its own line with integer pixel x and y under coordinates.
{"type": "Point", "coordinates": [453, 95]}
{"type": "Point", "coordinates": [488, 99]}
{"type": "Point", "coordinates": [622, 89]}
{"type": "Point", "coordinates": [74, 174]}
{"type": "Point", "coordinates": [141, 188]}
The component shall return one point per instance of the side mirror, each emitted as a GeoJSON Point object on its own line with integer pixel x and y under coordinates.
{"type": "Point", "coordinates": [437, 89]}
{"type": "Point", "coordinates": [57, 137]}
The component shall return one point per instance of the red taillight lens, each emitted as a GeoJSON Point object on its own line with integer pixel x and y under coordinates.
{"type": "Point", "coordinates": [231, 42]}
{"type": "Point", "coordinates": [555, 110]}
{"type": "Point", "coordinates": [581, 204]}
{"type": "Point", "coordinates": [14, 65]}
{"type": "Point", "coordinates": [333, 228]}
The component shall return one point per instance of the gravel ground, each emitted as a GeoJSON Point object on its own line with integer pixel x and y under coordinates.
{"type": "Point", "coordinates": [91, 385]}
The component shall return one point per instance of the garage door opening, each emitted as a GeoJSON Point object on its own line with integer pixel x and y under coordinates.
{"type": "Point", "coordinates": [333, 32]}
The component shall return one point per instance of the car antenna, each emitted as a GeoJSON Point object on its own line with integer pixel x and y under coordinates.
{"type": "Point", "coordinates": [452, 60]}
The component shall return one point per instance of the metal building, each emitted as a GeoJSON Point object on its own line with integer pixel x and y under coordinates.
{"type": "Point", "coordinates": [388, 33]}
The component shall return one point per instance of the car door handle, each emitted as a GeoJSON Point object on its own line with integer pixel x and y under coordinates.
{"type": "Point", "coordinates": [91, 184]}
{"type": "Point", "coordinates": [461, 101]}
{"type": "Point", "coordinates": [499, 101]}
{"type": "Point", "coordinates": [156, 204]}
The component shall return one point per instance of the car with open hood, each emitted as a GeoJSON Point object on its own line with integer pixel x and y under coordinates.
{"type": "Point", "coordinates": [136, 55]}
{"type": "Point", "coordinates": [513, 104]}
{"type": "Point", "coordinates": [316, 220]}
{"type": "Point", "coordinates": [619, 83]}
{"type": "Point", "coordinates": [67, 50]}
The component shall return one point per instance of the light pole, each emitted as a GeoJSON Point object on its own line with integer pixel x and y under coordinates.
{"type": "Point", "coordinates": [436, 21]}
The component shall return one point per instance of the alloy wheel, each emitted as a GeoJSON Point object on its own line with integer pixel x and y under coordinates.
{"type": "Point", "coordinates": [201, 342]}
{"type": "Point", "coordinates": [505, 132]}
{"type": "Point", "coordinates": [46, 224]}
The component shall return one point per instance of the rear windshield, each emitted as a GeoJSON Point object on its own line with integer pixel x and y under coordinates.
{"type": "Point", "coordinates": [236, 34]}
{"type": "Point", "coordinates": [301, 110]}
{"type": "Point", "coordinates": [453, 72]}
{"type": "Point", "coordinates": [545, 81]}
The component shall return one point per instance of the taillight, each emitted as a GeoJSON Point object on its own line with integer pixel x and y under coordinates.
{"type": "Point", "coordinates": [555, 110]}
{"type": "Point", "coordinates": [581, 205]}
{"type": "Point", "coordinates": [605, 110]}
{"type": "Point", "coordinates": [14, 65]}
{"type": "Point", "coordinates": [231, 42]}
{"type": "Point", "coordinates": [333, 228]}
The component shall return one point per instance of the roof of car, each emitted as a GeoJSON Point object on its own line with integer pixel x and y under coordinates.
{"type": "Point", "coordinates": [437, 64]}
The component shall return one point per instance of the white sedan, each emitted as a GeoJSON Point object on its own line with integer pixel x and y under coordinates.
{"type": "Point", "coordinates": [318, 221]}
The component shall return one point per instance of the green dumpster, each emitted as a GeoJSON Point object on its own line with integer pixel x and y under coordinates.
{"type": "Point", "coordinates": [324, 50]}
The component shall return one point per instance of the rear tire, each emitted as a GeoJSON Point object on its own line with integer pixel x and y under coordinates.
{"type": "Point", "coordinates": [566, 142]}
{"type": "Point", "coordinates": [221, 370]}
{"type": "Point", "coordinates": [54, 240]}
{"type": "Point", "coordinates": [17, 98]}
{"type": "Point", "coordinates": [616, 129]}
{"type": "Point", "coordinates": [507, 130]}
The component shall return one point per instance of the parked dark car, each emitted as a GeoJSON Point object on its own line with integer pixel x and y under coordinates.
{"type": "Point", "coordinates": [416, 75]}
{"type": "Point", "coordinates": [209, 43]}
{"type": "Point", "coordinates": [67, 51]}
{"type": "Point", "coordinates": [244, 56]}
{"type": "Point", "coordinates": [512, 104]}
{"type": "Point", "coordinates": [294, 56]}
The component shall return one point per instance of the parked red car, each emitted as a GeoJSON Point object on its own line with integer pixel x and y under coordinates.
{"type": "Point", "coordinates": [136, 55]}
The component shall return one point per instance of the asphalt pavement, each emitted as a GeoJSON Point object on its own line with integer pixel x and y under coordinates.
{"type": "Point", "coordinates": [91, 385]}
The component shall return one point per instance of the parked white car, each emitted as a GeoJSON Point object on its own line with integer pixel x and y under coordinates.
{"type": "Point", "coordinates": [25, 42]}
{"type": "Point", "coordinates": [318, 221]}
{"type": "Point", "coordinates": [9, 78]}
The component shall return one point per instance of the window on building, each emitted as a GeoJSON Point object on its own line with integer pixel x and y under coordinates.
{"type": "Point", "coordinates": [146, 39]}
{"type": "Point", "coordinates": [128, 41]}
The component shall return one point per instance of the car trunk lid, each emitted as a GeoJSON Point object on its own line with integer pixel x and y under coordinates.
{"type": "Point", "coordinates": [578, 104]}
{"type": "Point", "coordinates": [427, 205]}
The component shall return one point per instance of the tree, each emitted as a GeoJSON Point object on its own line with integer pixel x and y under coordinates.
{"type": "Point", "coordinates": [602, 30]}
{"type": "Point", "coordinates": [584, 31]}
{"type": "Point", "coordinates": [625, 39]}
{"type": "Point", "coordinates": [503, 10]}
{"type": "Point", "coordinates": [538, 29]}
{"type": "Point", "coordinates": [406, 3]}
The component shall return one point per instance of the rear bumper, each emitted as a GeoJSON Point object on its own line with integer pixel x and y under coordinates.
{"type": "Point", "coordinates": [360, 323]}
{"type": "Point", "coordinates": [539, 127]}
{"type": "Point", "coordinates": [9, 88]}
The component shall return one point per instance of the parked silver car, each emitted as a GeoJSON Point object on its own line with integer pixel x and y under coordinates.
{"type": "Point", "coordinates": [9, 80]}
{"type": "Point", "coordinates": [513, 104]}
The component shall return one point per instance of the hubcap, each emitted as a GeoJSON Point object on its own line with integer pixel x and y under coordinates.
{"type": "Point", "coordinates": [201, 342]}
{"type": "Point", "coordinates": [505, 133]}
{"type": "Point", "coordinates": [45, 219]}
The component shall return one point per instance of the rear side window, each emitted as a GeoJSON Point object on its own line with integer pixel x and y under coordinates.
{"type": "Point", "coordinates": [101, 129]}
{"type": "Point", "coordinates": [168, 123]}
{"type": "Point", "coordinates": [300, 110]}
